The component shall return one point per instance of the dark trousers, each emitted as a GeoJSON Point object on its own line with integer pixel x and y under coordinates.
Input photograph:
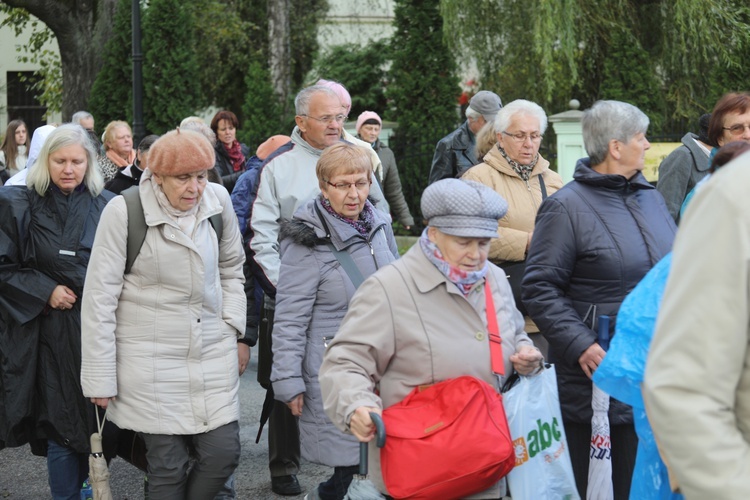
{"type": "Point", "coordinates": [624, 446]}
{"type": "Point", "coordinates": [283, 429]}
{"type": "Point", "coordinates": [169, 474]}
{"type": "Point", "coordinates": [336, 486]}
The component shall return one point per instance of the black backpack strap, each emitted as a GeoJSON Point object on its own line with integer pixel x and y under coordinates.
{"type": "Point", "coordinates": [542, 187]}
{"type": "Point", "coordinates": [136, 225]}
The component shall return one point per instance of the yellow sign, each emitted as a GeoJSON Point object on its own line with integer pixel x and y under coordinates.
{"type": "Point", "coordinates": [654, 157]}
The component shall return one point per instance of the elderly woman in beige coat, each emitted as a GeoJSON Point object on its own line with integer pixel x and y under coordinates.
{"type": "Point", "coordinates": [160, 342]}
{"type": "Point", "coordinates": [517, 172]}
{"type": "Point", "coordinates": [422, 319]}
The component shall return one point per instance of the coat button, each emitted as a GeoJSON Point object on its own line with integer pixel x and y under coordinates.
{"type": "Point", "coordinates": [171, 236]}
{"type": "Point", "coordinates": [199, 320]}
{"type": "Point", "coordinates": [479, 336]}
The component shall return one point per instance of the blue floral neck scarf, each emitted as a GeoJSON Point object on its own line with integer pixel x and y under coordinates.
{"type": "Point", "coordinates": [464, 280]}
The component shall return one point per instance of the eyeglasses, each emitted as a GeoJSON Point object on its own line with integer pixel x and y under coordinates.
{"type": "Point", "coordinates": [328, 118]}
{"type": "Point", "coordinates": [521, 138]}
{"type": "Point", "coordinates": [344, 187]}
{"type": "Point", "coordinates": [737, 130]}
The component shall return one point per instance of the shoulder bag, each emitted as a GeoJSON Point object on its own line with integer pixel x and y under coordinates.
{"type": "Point", "coordinates": [450, 439]}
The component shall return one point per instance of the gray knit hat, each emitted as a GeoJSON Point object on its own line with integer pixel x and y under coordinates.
{"type": "Point", "coordinates": [463, 208]}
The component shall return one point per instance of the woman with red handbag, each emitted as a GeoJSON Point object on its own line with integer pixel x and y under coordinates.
{"type": "Point", "coordinates": [424, 320]}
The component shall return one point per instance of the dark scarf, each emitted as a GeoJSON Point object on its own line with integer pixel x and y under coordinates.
{"type": "Point", "coordinates": [235, 155]}
{"type": "Point", "coordinates": [363, 225]}
{"type": "Point", "coordinates": [523, 171]}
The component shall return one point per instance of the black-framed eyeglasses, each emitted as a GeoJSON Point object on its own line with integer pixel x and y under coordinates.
{"type": "Point", "coordinates": [328, 118]}
{"type": "Point", "coordinates": [345, 187]}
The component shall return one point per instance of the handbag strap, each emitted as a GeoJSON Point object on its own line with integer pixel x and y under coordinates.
{"type": "Point", "coordinates": [346, 261]}
{"type": "Point", "coordinates": [496, 342]}
{"type": "Point", "coordinates": [542, 187]}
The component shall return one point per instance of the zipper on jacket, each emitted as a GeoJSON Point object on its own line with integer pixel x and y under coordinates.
{"type": "Point", "coordinates": [369, 244]}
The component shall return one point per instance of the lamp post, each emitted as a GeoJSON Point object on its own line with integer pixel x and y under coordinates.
{"type": "Point", "coordinates": [138, 127]}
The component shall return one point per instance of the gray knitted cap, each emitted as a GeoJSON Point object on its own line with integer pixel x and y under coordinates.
{"type": "Point", "coordinates": [463, 208]}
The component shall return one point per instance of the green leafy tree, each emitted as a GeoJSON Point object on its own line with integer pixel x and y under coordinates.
{"type": "Point", "coordinates": [112, 94]}
{"type": "Point", "coordinates": [423, 90]}
{"type": "Point", "coordinates": [360, 70]}
{"type": "Point", "coordinates": [170, 69]}
{"type": "Point", "coordinates": [552, 51]}
{"type": "Point", "coordinates": [628, 75]}
{"type": "Point", "coordinates": [261, 109]}
{"type": "Point", "coordinates": [81, 29]}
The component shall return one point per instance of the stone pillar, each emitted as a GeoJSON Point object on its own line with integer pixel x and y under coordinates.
{"type": "Point", "coordinates": [570, 148]}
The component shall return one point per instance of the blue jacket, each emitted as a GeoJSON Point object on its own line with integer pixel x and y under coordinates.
{"type": "Point", "coordinates": [594, 240]}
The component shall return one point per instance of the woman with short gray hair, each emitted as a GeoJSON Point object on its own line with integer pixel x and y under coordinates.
{"type": "Point", "coordinates": [595, 239]}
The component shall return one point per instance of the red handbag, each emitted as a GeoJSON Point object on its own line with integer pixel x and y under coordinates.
{"type": "Point", "coordinates": [450, 439]}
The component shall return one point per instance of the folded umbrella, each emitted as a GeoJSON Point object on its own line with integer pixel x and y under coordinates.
{"type": "Point", "coordinates": [600, 458]}
{"type": "Point", "coordinates": [98, 470]}
{"type": "Point", "coordinates": [361, 488]}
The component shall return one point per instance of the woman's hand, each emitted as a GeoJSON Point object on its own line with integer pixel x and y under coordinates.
{"type": "Point", "coordinates": [361, 424]}
{"type": "Point", "coordinates": [243, 356]}
{"type": "Point", "coordinates": [526, 359]}
{"type": "Point", "coordinates": [62, 298]}
{"type": "Point", "coordinates": [591, 359]}
{"type": "Point", "coordinates": [102, 402]}
{"type": "Point", "coordinates": [296, 404]}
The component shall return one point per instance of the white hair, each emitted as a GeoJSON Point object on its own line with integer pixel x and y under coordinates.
{"type": "Point", "coordinates": [518, 107]}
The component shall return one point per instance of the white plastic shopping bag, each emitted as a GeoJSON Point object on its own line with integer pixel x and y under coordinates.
{"type": "Point", "coordinates": [543, 470]}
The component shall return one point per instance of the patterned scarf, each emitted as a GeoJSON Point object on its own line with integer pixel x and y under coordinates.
{"type": "Point", "coordinates": [523, 171]}
{"type": "Point", "coordinates": [235, 155]}
{"type": "Point", "coordinates": [464, 280]}
{"type": "Point", "coordinates": [363, 225]}
{"type": "Point", "coordinates": [119, 160]}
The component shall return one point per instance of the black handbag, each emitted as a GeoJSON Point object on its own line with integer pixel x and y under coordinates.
{"type": "Point", "coordinates": [514, 271]}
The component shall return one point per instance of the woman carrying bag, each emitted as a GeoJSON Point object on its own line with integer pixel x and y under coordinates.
{"type": "Point", "coordinates": [424, 319]}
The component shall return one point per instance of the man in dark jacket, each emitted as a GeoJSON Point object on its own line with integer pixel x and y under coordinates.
{"type": "Point", "coordinates": [454, 154]}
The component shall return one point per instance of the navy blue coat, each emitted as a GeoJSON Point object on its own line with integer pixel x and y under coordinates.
{"type": "Point", "coordinates": [594, 240]}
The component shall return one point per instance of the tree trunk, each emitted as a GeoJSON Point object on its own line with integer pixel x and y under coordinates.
{"type": "Point", "coordinates": [81, 27]}
{"type": "Point", "coordinates": [279, 55]}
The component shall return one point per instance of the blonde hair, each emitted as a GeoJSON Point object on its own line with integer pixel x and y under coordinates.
{"type": "Point", "coordinates": [63, 136]}
{"type": "Point", "coordinates": [486, 140]}
{"type": "Point", "coordinates": [342, 158]}
{"type": "Point", "coordinates": [110, 130]}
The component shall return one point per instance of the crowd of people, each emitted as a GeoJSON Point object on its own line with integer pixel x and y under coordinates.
{"type": "Point", "coordinates": [134, 279]}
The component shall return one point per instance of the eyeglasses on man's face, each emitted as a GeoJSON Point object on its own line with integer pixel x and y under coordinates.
{"type": "Point", "coordinates": [521, 138]}
{"type": "Point", "coordinates": [327, 119]}
{"type": "Point", "coordinates": [738, 129]}
{"type": "Point", "coordinates": [346, 186]}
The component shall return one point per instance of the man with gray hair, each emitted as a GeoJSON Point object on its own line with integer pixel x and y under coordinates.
{"type": "Point", "coordinates": [86, 120]}
{"type": "Point", "coordinates": [454, 154]}
{"type": "Point", "coordinates": [288, 180]}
